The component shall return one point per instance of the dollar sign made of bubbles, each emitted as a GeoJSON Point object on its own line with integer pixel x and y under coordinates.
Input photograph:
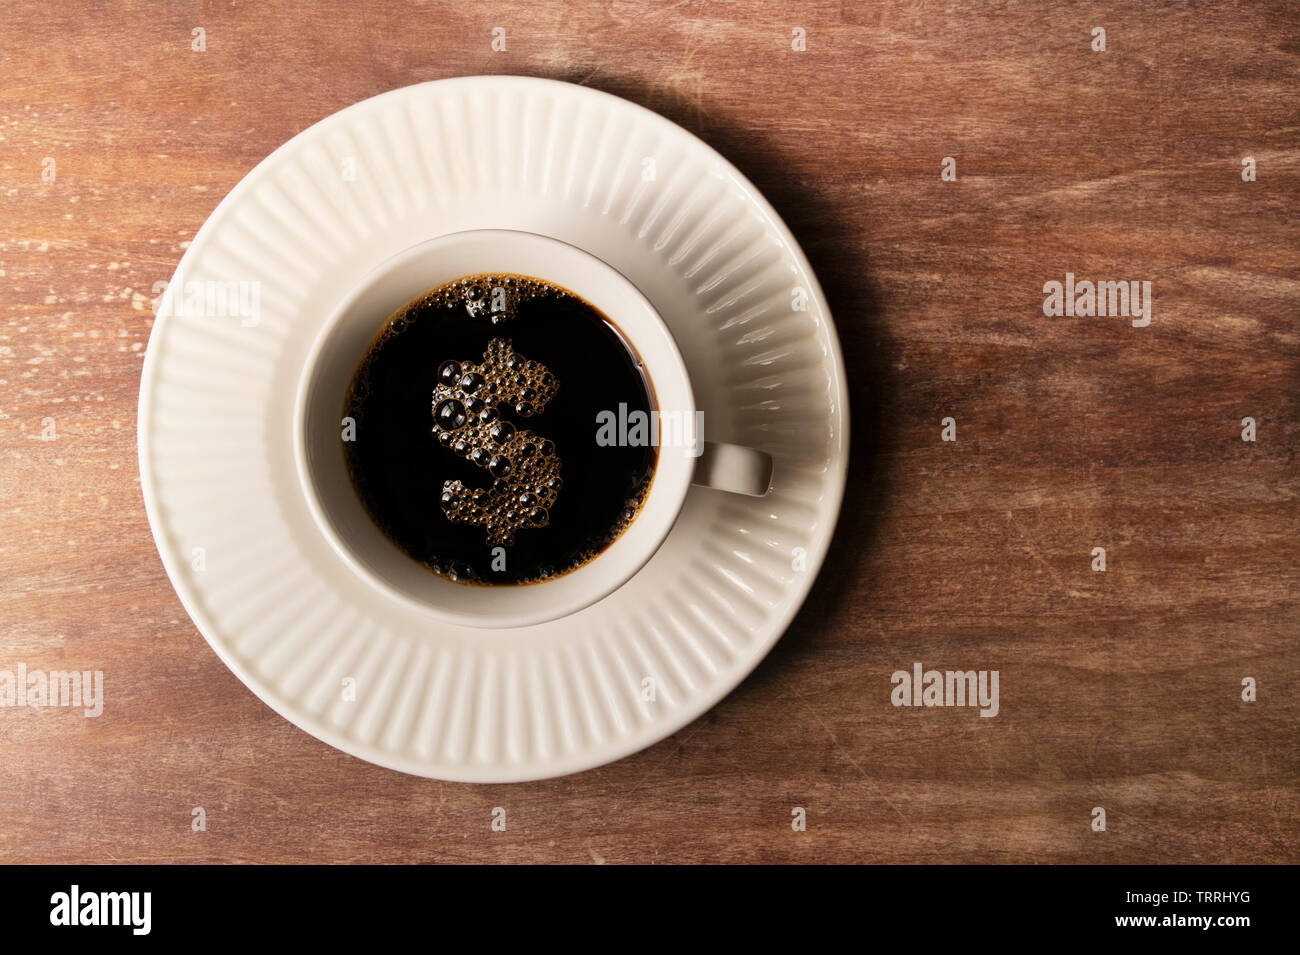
{"type": "Point", "coordinates": [524, 466]}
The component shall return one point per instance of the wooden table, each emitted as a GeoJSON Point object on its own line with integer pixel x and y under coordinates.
{"type": "Point", "coordinates": [1119, 689]}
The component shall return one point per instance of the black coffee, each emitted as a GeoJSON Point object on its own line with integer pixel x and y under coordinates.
{"type": "Point", "coordinates": [477, 449]}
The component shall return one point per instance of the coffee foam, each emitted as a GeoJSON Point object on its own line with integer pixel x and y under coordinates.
{"type": "Point", "coordinates": [496, 296]}
{"type": "Point", "coordinates": [525, 466]}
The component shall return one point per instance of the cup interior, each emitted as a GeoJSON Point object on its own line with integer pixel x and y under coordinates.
{"type": "Point", "coordinates": [336, 354]}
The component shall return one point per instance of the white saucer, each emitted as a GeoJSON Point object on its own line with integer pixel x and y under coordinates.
{"type": "Point", "coordinates": [303, 631]}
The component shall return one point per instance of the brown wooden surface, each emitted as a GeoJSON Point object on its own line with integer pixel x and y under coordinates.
{"type": "Point", "coordinates": [1118, 689]}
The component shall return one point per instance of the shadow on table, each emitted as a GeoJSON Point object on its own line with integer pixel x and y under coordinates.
{"type": "Point", "coordinates": [831, 237]}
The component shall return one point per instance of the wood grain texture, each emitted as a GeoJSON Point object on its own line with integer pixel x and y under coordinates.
{"type": "Point", "coordinates": [1118, 689]}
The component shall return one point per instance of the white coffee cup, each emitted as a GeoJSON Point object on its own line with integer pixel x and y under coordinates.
{"type": "Point", "coordinates": [343, 341]}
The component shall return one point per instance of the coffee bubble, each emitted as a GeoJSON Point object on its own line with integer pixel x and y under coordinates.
{"type": "Point", "coordinates": [449, 414]}
{"type": "Point", "coordinates": [449, 372]}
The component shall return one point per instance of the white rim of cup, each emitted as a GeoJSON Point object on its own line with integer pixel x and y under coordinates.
{"type": "Point", "coordinates": [510, 606]}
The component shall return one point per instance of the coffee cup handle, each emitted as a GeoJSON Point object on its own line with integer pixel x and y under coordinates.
{"type": "Point", "coordinates": [729, 467]}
